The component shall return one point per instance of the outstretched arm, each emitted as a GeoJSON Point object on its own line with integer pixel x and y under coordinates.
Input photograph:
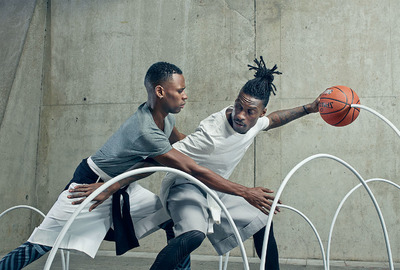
{"type": "Point", "coordinates": [259, 197]}
{"type": "Point", "coordinates": [282, 117]}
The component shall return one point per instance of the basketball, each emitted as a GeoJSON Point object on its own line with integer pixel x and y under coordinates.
{"type": "Point", "coordinates": [335, 105]}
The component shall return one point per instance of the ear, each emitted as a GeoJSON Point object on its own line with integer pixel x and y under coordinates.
{"type": "Point", "coordinates": [159, 90]}
{"type": "Point", "coordinates": [263, 112]}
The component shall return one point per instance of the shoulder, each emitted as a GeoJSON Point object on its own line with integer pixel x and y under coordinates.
{"type": "Point", "coordinates": [202, 140]}
{"type": "Point", "coordinates": [215, 121]}
{"type": "Point", "coordinates": [263, 123]}
{"type": "Point", "coordinates": [140, 124]}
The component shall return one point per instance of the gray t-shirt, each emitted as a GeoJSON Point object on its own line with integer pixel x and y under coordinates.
{"type": "Point", "coordinates": [137, 139]}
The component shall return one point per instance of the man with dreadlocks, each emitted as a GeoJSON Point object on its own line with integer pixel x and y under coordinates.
{"type": "Point", "coordinates": [219, 143]}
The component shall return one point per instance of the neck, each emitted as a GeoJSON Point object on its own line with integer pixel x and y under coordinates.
{"type": "Point", "coordinates": [157, 112]}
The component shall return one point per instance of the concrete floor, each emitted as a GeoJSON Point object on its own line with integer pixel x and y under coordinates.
{"type": "Point", "coordinates": [143, 261]}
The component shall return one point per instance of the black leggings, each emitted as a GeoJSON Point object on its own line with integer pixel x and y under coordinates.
{"type": "Point", "coordinates": [272, 260]}
{"type": "Point", "coordinates": [177, 250]}
{"type": "Point", "coordinates": [22, 256]}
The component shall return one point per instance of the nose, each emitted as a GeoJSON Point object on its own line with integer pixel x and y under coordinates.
{"type": "Point", "coordinates": [184, 96]}
{"type": "Point", "coordinates": [240, 115]}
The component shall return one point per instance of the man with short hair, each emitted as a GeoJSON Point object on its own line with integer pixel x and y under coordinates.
{"type": "Point", "coordinates": [219, 143]}
{"type": "Point", "coordinates": [148, 133]}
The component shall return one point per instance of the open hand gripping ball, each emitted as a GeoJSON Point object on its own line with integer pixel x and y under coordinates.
{"type": "Point", "coordinates": [335, 105]}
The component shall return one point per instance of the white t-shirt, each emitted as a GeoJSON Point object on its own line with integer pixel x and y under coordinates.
{"type": "Point", "coordinates": [214, 145]}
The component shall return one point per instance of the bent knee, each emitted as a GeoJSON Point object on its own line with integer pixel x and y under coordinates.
{"type": "Point", "coordinates": [196, 237]}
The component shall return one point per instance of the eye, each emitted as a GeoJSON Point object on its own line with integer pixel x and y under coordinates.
{"type": "Point", "coordinates": [251, 112]}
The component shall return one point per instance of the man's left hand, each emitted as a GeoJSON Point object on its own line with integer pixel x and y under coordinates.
{"type": "Point", "coordinates": [313, 107]}
{"type": "Point", "coordinates": [83, 191]}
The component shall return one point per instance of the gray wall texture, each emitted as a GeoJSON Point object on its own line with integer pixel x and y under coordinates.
{"type": "Point", "coordinates": [72, 72]}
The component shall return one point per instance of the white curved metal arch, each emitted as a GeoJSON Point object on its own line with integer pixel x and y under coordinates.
{"type": "Point", "coordinates": [64, 261]}
{"type": "Point", "coordinates": [384, 119]}
{"type": "Point", "coordinates": [60, 237]}
{"type": "Point", "coordinates": [22, 206]}
{"type": "Point", "coordinates": [287, 178]}
{"type": "Point", "coordinates": [306, 219]}
{"type": "Point", "coordinates": [225, 262]}
{"type": "Point", "coordinates": [312, 227]}
{"type": "Point", "coordinates": [341, 205]}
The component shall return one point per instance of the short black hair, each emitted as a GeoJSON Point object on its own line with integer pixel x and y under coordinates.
{"type": "Point", "coordinates": [160, 72]}
{"type": "Point", "coordinates": [261, 86]}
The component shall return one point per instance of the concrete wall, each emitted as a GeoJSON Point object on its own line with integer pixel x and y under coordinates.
{"type": "Point", "coordinates": [79, 75]}
{"type": "Point", "coordinates": [22, 45]}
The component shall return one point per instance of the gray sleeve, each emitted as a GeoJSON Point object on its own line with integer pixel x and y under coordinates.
{"type": "Point", "coordinates": [152, 145]}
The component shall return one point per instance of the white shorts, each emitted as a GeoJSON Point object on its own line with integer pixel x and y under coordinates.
{"type": "Point", "coordinates": [89, 228]}
{"type": "Point", "coordinates": [188, 208]}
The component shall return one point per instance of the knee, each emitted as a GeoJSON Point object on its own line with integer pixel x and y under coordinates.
{"type": "Point", "coordinates": [195, 238]}
{"type": "Point", "coordinates": [198, 236]}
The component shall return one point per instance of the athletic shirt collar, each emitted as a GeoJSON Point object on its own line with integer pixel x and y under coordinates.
{"type": "Point", "coordinates": [150, 116]}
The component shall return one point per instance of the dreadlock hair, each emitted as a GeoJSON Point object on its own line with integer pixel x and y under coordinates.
{"type": "Point", "coordinates": [160, 72]}
{"type": "Point", "coordinates": [261, 86]}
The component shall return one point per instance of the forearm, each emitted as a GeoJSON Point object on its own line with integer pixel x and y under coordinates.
{"type": "Point", "coordinates": [177, 160]}
{"type": "Point", "coordinates": [259, 197]}
{"type": "Point", "coordinates": [282, 117]}
{"type": "Point", "coordinates": [128, 180]}
{"type": "Point", "coordinates": [216, 182]}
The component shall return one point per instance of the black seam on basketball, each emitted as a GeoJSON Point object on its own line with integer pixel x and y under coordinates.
{"type": "Point", "coordinates": [344, 117]}
{"type": "Point", "coordinates": [352, 117]}
{"type": "Point", "coordinates": [352, 96]}
{"type": "Point", "coordinates": [342, 92]}
{"type": "Point", "coordinates": [337, 100]}
{"type": "Point", "coordinates": [358, 109]}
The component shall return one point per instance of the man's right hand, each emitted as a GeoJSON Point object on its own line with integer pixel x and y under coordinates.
{"type": "Point", "coordinates": [260, 198]}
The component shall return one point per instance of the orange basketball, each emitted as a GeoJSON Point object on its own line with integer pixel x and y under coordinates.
{"type": "Point", "coordinates": [335, 105]}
